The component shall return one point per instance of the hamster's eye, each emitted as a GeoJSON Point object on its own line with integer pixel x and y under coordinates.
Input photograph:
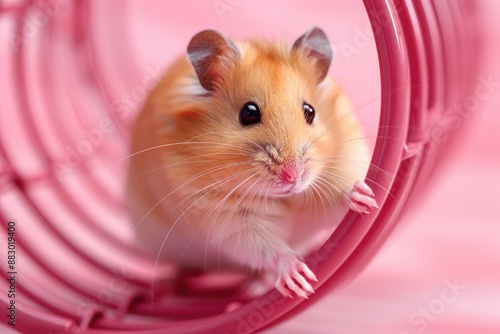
{"type": "Point", "coordinates": [250, 114]}
{"type": "Point", "coordinates": [309, 112]}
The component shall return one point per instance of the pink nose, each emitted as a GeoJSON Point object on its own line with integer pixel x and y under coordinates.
{"type": "Point", "coordinates": [292, 173]}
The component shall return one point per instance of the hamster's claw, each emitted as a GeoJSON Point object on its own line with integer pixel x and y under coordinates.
{"type": "Point", "coordinates": [360, 199]}
{"type": "Point", "coordinates": [292, 276]}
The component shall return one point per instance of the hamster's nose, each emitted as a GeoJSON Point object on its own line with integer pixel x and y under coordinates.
{"type": "Point", "coordinates": [292, 172]}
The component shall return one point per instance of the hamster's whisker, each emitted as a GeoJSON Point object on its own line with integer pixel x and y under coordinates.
{"type": "Point", "coordinates": [159, 146]}
{"type": "Point", "coordinates": [314, 188]}
{"type": "Point", "coordinates": [147, 173]}
{"type": "Point", "coordinates": [329, 184]}
{"type": "Point", "coordinates": [377, 127]}
{"type": "Point", "coordinates": [316, 138]}
{"type": "Point", "coordinates": [266, 192]}
{"type": "Point", "coordinates": [321, 183]}
{"type": "Point", "coordinates": [172, 227]}
{"type": "Point", "coordinates": [218, 184]}
{"type": "Point", "coordinates": [190, 160]}
{"type": "Point", "coordinates": [309, 202]}
{"type": "Point", "coordinates": [217, 209]}
{"type": "Point", "coordinates": [215, 185]}
{"type": "Point", "coordinates": [343, 184]}
{"type": "Point", "coordinates": [357, 110]}
{"type": "Point", "coordinates": [205, 173]}
{"type": "Point", "coordinates": [223, 142]}
{"type": "Point", "coordinates": [361, 131]}
{"type": "Point", "coordinates": [386, 190]}
{"type": "Point", "coordinates": [370, 105]}
{"type": "Point", "coordinates": [314, 206]}
{"type": "Point", "coordinates": [219, 181]}
{"type": "Point", "coordinates": [191, 179]}
{"type": "Point", "coordinates": [254, 194]}
{"type": "Point", "coordinates": [206, 218]}
{"type": "Point", "coordinates": [338, 178]}
{"type": "Point", "coordinates": [209, 143]}
{"type": "Point", "coordinates": [376, 137]}
{"type": "Point", "coordinates": [342, 160]}
{"type": "Point", "coordinates": [367, 102]}
{"type": "Point", "coordinates": [179, 218]}
{"type": "Point", "coordinates": [232, 212]}
{"type": "Point", "coordinates": [359, 163]}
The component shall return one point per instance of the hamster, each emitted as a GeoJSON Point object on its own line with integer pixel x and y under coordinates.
{"type": "Point", "coordinates": [241, 156]}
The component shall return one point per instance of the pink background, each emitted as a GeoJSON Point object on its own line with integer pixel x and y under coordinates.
{"type": "Point", "coordinates": [452, 236]}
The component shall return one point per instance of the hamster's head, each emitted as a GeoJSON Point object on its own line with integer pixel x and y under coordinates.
{"type": "Point", "coordinates": [262, 114]}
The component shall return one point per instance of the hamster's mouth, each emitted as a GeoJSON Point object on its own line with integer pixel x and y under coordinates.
{"type": "Point", "coordinates": [284, 190]}
{"type": "Point", "coordinates": [287, 179]}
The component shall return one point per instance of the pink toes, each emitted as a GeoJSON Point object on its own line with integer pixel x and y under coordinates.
{"type": "Point", "coordinates": [292, 277]}
{"type": "Point", "coordinates": [361, 199]}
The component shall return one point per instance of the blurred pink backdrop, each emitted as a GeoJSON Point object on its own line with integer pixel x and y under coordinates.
{"type": "Point", "coordinates": [440, 270]}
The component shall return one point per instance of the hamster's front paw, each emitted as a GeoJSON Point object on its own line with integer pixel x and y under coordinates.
{"type": "Point", "coordinates": [360, 199]}
{"type": "Point", "coordinates": [293, 274]}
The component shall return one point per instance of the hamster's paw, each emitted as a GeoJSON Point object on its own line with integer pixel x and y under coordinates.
{"type": "Point", "coordinates": [360, 199]}
{"type": "Point", "coordinates": [293, 274]}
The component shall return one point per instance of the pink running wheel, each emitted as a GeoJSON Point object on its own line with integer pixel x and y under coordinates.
{"type": "Point", "coordinates": [64, 123]}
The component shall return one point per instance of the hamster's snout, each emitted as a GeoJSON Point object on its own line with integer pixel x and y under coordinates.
{"type": "Point", "coordinates": [292, 172]}
{"type": "Point", "coordinates": [288, 171]}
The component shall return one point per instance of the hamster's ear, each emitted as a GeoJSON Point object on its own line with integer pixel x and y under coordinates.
{"type": "Point", "coordinates": [211, 55]}
{"type": "Point", "coordinates": [316, 45]}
